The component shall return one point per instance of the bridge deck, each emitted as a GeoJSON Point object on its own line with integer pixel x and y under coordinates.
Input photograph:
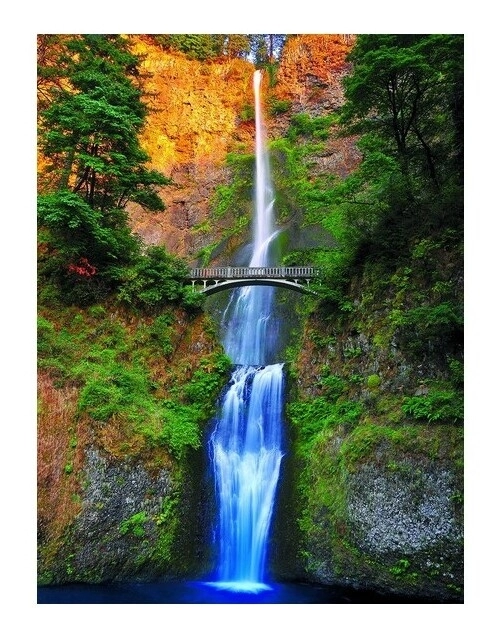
{"type": "Point", "coordinates": [259, 272]}
{"type": "Point", "coordinates": [223, 277]}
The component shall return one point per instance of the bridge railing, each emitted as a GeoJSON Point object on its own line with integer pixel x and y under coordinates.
{"type": "Point", "coordinates": [252, 272]}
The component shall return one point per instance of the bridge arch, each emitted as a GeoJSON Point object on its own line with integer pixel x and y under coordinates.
{"type": "Point", "coordinates": [217, 279]}
{"type": "Point", "coordinates": [236, 283]}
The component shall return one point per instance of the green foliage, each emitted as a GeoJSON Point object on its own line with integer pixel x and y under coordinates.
{"type": "Point", "coordinates": [400, 568]}
{"type": "Point", "coordinates": [316, 202]}
{"type": "Point", "coordinates": [371, 214]}
{"type": "Point", "coordinates": [265, 49]}
{"type": "Point", "coordinates": [232, 202]}
{"type": "Point", "coordinates": [425, 247]}
{"type": "Point", "coordinates": [205, 382]}
{"type": "Point", "coordinates": [112, 388]}
{"type": "Point", "coordinates": [317, 416]}
{"type": "Point", "coordinates": [168, 510]}
{"type": "Point", "coordinates": [373, 381]}
{"type": "Point", "coordinates": [278, 107]}
{"type": "Point", "coordinates": [222, 200]}
{"type": "Point", "coordinates": [160, 332]}
{"type": "Point", "coordinates": [429, 328]}
{"type": "Point", "coordinates": [181, 427]}
{"type": "Point", "coordinates": [457, 372]}
{"type": "Point", "coordinates": [89, 131]}
{"type": "Point", "coordinates": [438, 406]}
{"type": "Point", "coordinates": [247, 113]}
{"type": "Point", "coordinates": [405, 96]}
{"type": "Point", "coordinates": [113, 368]}
{"type": "Point", "coordinates": [302, 124]}
{"type": "Point", "coordinates": [199, 46]}
{"type": "Point", "coordinates": [409, 90]}
{"type": "Point", "coordinates": [202, 46]}
{"type": "Point", "coordinates": [77, 229]}
{"type": "Point", "coordinates": [183, 416]}
{"type": "Point", "coordinates": [192, 300]}
{"type": "Point", "coordinates": [134, 525]}
{"type": "Point", "coordinates": [332, 387]}
{"type": "Point", "coordinates": [155, 279]}
{"type": "Point", "coordinates": [432, 318]}
{"type": "Point", "coordinates": [395, 441]}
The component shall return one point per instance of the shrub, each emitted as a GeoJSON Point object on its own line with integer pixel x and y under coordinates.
{"type": "Point", "coordinates": [333, 387]}
{"type": "Point", "coordinates": [192, 300]}
{"type": "Point", "coordinates": [373, 381]}
{"type": "Point", "coordinates": [181, 427]}
{"type": "Point", "coordinates": [277, 107]}
{"type": "Point", "coordinates": [161, 332]}
{"type": "Point", "coordinates": [317, 415]}
{"type": "Point", "coordinates": [303, 124]}
{"type": "Point", "coordinates": [429, 328]}
{"type": "Point", "coordinates": [437, 406]}
{"type": "Point", "coordinates": [155, 279]}
{"type": "Point", "coordinates": [247, 113]}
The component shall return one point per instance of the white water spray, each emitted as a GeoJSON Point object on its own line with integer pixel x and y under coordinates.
{"type": "Point", "coordinates": [246, 443]}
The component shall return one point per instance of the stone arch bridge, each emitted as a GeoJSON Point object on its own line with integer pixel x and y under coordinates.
{"type": "Point", "coordinates": [212, 280]}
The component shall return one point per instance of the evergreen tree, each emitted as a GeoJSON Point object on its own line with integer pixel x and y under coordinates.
{"type": "Point", "coordinates": [404, 103]}
{"type": "Point", "coordinates": [266, 48]}
{"type": "Point", "coordinates": [89, 132]}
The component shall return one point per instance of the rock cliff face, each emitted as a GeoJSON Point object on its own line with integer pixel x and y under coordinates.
{"type": "Point", "coordinates": [113, 502]}
{"type": "Point", "coordinates": [379, 502]}
{"type": "Point", "coordinates": [311, 72]}
{"type": "Point", "coordinates": [195, 121]}
{"type": "Point", "coordinates": [310, 79]}
{"type": "Point", "coordinates": [198, 117]}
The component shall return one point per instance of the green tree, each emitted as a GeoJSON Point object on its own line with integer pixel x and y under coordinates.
{"type": "Point", "coordinates": [404, 98]}
{"type": "Point", "coordinates": [266, 48]}
{"type": "Point", "coordinates": [236, 45]}
{"type": "Point", "coordinates": [90, 129]}
{"type": "Point", "coordinates": [408, 90]}
{"type": "Point", "coordinates": [155, 279]}
{"type": "Point", "coordinates": [404, 104]}
{"type": "Point", "coordinates": [89, 132]}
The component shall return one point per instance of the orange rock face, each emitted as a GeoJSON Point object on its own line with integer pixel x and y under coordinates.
{"type": "Point", "coordinates": [196, 122]}
{"type": "Point", "coordinates": [193, 124]}
{"type": "Point", "coordinates": [311, 69]}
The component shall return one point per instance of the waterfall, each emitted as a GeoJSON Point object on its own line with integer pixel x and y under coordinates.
{"type": "Point", "coordinates": [245, 445]}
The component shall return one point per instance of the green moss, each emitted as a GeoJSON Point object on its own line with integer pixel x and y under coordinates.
{"type": "Point", "coordinates": [362, 442]}
{"type": "Point", "coordinates": [113, 366]}
{"type": "Point", "coordinates": [373, 381]}
{"type": "Point", "coordinates": [134, 525]}
{"type": "Point", "coordinates": [302, 124]}
{"type": "Point", "coordinates": [277, 107]}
